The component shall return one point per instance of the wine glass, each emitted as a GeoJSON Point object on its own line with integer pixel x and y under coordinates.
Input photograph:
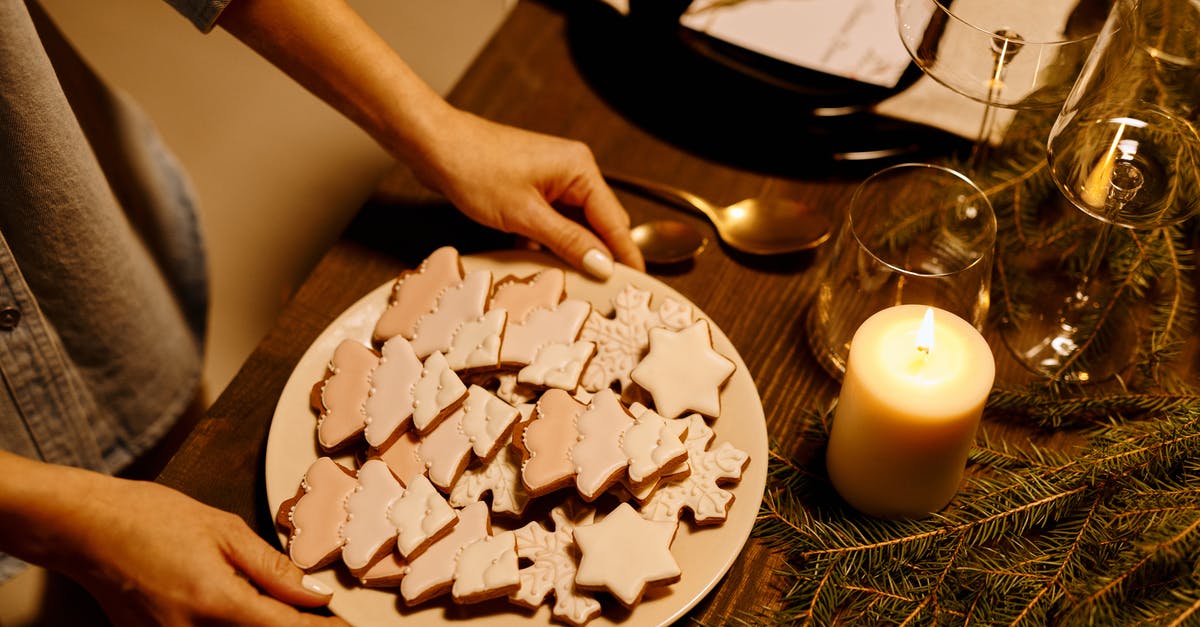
{"type": "Point", "coordinates": [1125, 151]}
{"type": "Point", "coordinates": [1008, 54]}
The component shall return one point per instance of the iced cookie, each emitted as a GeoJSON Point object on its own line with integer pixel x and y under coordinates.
{"type": "Point", "coordinates": [314, 517]}
{"type": "Point", "coordinates": [622, 339]}
{"type": "Point", "coordinates": [436, 394]}
{"type": "Point", "coordinates": [340, 398]}
{"type": "Point", "coordinates": [499, 476]}
{"type": "Point", "coordinates": [682, 371]}
{"type": "Point", "coordinates": [520, 296]}
{"type": "Point", "coordinates": [624, 553]}
{"type": "Point", "coordinates": [553, 559]}
{"type": "Point", "coordinates": [653, 445]}
{"type": "Point", "coordinates": [486, 569]}
{"type": "Point", "coordinates": [597, 454]}
{"type": "Point", "coordinates": [458, 305]}
{"type": "Point", "coordinates": [419, 517]}
{"type": "Point", "coordinates": [367, 533]}
{"type": "Point", "coordinates": [389, 404]}
{"type": "Point", "coordinates": [481, 425]}
{"type": "Point", "coordinates": [415, 293]}
{"type": "Point", "coordinates": [402, 456]}
{"type": "Point", "coordinates": [545, 443]}
{"type": "Point", "coordinates": [432, 572]}
{"type": "Point", "coordinates": [700, 490]}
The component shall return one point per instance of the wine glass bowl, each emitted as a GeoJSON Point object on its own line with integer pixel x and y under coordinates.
{"type": "Point", "coordinates": [1124, 150]}
{"type": "Point", "coordinates": [1131, 169]}
{"type": "Point", "coordinates": [1007, 54]}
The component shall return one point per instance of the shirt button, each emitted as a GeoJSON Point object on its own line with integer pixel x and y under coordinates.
{"type": "Point", "coordinates": [9, 317]}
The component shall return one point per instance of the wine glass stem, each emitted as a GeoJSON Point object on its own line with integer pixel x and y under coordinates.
{"type": "Point", "coordinates": [983, 141]}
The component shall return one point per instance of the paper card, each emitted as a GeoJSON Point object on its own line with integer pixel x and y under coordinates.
{"type": "Point", "coordinates": [856, 39]}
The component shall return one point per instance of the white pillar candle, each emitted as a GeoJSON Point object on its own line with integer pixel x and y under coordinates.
{"type": "Point", "coordinates": [908, 410]}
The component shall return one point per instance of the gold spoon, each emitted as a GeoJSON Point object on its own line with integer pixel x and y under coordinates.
{"type": "Point", "coordinates": [666, 242]}
{"type": "Point", "coordinates": [760, 226]}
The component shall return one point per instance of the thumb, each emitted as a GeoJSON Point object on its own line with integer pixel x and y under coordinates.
{"type": "Point", "coordinates": [275, 574]}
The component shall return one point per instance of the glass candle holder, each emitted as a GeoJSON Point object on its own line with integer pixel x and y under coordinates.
{"type": "Point", "coordinates": [914, 233]}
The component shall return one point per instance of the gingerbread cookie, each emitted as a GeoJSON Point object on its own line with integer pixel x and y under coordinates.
{"type": "Point", "coordinates": [597, 453]}
{"type": "Point", "coordinates": [416, 293]}
{"type": "Point", "coordinates": [481, 425]}
{"type": "Point", "coordinates": [367, 533]}
{"type": "Point", "coordinates": [700, 489]}
{"type": "Point", "coordinates": [419, 517]}
{"type": "Point", "coordinates": [682, 371]}
{"type": "Point", "coordinates": [553, 559]}
{"type": "Point", "coordinates": [314, 517]}
{"type": "Point", "coordinates": [390, 399]}
{"type": "Point", "coordinates": [546, 441]}
{"type": "Point", "coordinates": [625, 553]}
{"type": "Point", "coordinates": [622, 339]}
{"type": "Point", "coordinates": [436, 394]}
{"type": "Point", "coordinates": [486, 568]}
{"type": "Point", "coordinates": [341, 396]}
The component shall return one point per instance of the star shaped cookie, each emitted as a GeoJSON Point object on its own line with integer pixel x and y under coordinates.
{"type": "Point", "coordinates": [624, 553]}
{"type": "Point", "coordinates": [683, 372]}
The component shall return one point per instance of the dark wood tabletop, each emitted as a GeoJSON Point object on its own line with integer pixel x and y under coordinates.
{"type": "Point", "coordinates": [645, 105]}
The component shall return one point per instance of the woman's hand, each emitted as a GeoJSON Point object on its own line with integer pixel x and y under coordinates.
{"type": "Point", "coordinates": [513, 180]}
{"type": "Point", "coordinates": [149, 554]}
{"type": "Point", "coordinates": [503, 177]}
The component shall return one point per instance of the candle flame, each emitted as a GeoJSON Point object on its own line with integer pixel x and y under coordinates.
{"type": "Point", "coordinates": [925, 333]}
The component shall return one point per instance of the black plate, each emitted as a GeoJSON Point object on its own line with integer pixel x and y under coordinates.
{"type": "Point", "coordinates": [734, 105]}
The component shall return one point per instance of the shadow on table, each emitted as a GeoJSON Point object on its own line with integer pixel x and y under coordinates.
{"type": "Point", "coordinates": [734, 106]}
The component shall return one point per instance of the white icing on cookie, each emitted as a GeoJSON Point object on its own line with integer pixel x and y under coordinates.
{"type": "Point", "coordinates": [487, 421]}
{"type": "Point", "coordinates": [477, 343]}
{"type": "Point", "coordinates": [553, 557]}
{"type": "Point", "coordinates": [700, 490]}
{"type": "Point", "coordinates": [597, 454]}
{"type": "Point", "coordinates": [652, 443]}
{"type": "Point", "coordinates": [436, 391]}
{"type": "Point", "coordinates": [622, 340]}
{"type": "Point", "coordinates": [557, 365]}
{"type": "Point", "coordinates": [501, 476]}
{"type": "Point", "coordinates": [367, 530]}
{"type": "Point", "coordinates": [624, 553]}
{"type": "Point", "coordinates": [445, 451]}
{"type": "Point", "coordinates": [683, 372]}
{"type": "Point", "coordinates": [389, 405]}
{"type": "Point", "coordinates": [419, 515]}
{"type": "Point", "coordinates": [432, 572]}
{"type": "Point", "coordinates": [559, 325]}
{"type": "Point", "coordinates": [486, 568]}
{"type": "Point", "coordinates": [458, 305]}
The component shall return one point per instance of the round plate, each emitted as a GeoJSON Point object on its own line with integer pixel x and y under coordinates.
{"type": "Point", "coordinates": [704, 553]}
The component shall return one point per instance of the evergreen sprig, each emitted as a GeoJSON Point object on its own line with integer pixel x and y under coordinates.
{"type": "Point", "coordinates": [1107, 533]}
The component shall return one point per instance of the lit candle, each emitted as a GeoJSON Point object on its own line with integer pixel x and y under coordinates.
{"type": "Point", "coordinates": [915, 385]}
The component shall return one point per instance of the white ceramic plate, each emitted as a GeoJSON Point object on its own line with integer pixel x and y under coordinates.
{"type": "Point", "coordinates": [704, 553]}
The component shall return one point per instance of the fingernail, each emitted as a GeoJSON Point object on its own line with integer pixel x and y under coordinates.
{"type": "Point", "coordinates": [598, 264]}
{"type": "Point", "coordinates": [316, 586]}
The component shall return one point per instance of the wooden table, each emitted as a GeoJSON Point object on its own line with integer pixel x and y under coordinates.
{"type": "Point", "coordinates": [554, 68]}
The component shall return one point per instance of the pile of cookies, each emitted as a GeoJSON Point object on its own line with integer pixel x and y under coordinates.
{"type": "Point", "coordinates": [586, 436]}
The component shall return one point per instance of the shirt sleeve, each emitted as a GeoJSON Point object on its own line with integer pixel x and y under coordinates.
{"type": "Point", "coordinates": [202, 13]}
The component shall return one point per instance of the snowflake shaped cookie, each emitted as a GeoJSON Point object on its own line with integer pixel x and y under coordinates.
{"type": "Point", "coordinates": [622, 340]}
{"type": "Point", "coordinates": [700, 490]}
{"type": "Point", "coordinates": [555, 559]}
{"type": "Point", "coordinates": [682, 371]}
{"type": "Point", "coordinates": [624, 553]}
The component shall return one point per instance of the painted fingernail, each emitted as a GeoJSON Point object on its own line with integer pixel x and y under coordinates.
{"type": "Point", "coordinates": [316, 586]}
{"type": "Point", "coordinates": [598, 264]}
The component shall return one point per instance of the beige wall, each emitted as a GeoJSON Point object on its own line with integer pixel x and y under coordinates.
{"type": "Point", "coordinates": [277, 172]}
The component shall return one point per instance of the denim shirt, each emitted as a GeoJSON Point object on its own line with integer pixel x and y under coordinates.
{"type": "Point", "coordinates": [103, 280]}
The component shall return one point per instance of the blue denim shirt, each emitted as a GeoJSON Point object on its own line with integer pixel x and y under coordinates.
{"type": "Point", "coordinates": [103, 281]}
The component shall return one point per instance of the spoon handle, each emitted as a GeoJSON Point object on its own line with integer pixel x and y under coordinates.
{"type": "Point", "coordinates": [662, 191]}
